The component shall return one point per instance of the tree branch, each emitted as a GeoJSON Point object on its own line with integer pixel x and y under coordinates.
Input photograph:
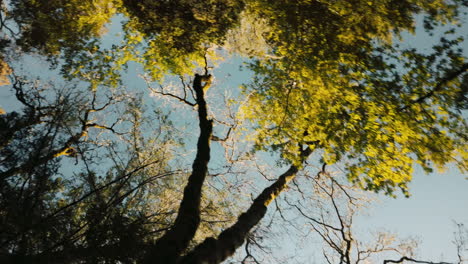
{"type": "Point", "coordinates": [413, 260]}
{"type": "Point", "coordinates": [449, 77]}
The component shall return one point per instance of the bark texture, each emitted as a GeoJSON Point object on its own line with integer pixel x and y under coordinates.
{"type": "Point", "coordinates": [213, 251]}
{"type": "Point", "coordinates": [171, 245]}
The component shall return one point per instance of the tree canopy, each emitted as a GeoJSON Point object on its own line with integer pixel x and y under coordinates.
{"type": "Point", "coordinates": [94, 171]}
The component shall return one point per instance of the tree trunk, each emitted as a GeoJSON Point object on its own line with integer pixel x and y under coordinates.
{"type": "Point", "coordinates": [171, 245]}
{"type": "Point", "coordinates": [213, 251]}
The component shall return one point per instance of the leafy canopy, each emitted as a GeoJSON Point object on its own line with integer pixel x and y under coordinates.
{"type": "Point", "coordinates": [333, 77]}
{"type": "Point", "coordinates": [335, 74]}
{"type": "Point", "coordinates": [340, 82]}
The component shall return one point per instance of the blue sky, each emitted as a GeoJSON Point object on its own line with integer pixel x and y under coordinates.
{"type": "Point", "coordinates": [436, 201]}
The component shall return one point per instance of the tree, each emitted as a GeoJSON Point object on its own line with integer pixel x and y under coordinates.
{"type": "Point", "coordinates": [102, 209]}
{"type": "Point", "coordinates": [331, 82]}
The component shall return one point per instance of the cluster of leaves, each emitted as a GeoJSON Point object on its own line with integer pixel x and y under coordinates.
{"type": "Point", "coordinates": [51, 26]}
{"type": "Point", "coordinates": [184, 25]}
{"type": "Point", "coordinates": [178, 33]}
{"type": "Point", "coordinates": [165, 36]}
{"type": "Point", "coordinates": [348, 90]}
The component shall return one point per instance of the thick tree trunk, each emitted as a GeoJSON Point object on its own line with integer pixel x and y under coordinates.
{"type": "Point", "coordinates": [213, 251]}
{"type": "Point", "coordinates": [170, 246]}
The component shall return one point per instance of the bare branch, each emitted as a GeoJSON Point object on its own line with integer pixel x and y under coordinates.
{"type": "Point", "coordinates": [413, 260]}
{"type": "Point", "coordinates": [173, 96]}
{"type": "Point", "coordinates": [163, 93]}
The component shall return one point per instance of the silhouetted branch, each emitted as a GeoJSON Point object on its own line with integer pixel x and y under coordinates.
{"type": "Point", "coordinates": [449, 77]}
{"type": "Point", "coordinates": [173, 96]}
{"type": "Point", "coordinates": [161, 92]}
{"type": "Point", "coordinates": [249, 255]}
{"type": "Point", "coordinates": [413, 260]}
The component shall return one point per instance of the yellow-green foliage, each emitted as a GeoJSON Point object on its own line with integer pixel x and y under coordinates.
{"type": "Point", "coordinates": [328, 73]}
{"type": "Point", "coordinates": [177, 33]}
{"type": "Point", "coordinates": [52, 25]}
{"type": "Point", "coordinates": [335, 86]}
